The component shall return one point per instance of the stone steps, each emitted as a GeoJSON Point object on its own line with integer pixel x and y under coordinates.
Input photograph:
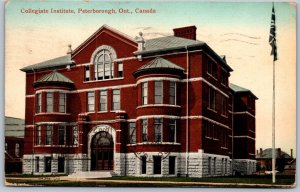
{"type": "Point", "coordinates": [91, 174]}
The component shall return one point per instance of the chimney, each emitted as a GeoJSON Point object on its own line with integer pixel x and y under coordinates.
{"type": "Point", "coordinates": [279, 153]}
{"type": "Point", "coordinates": [186, 32]}
{"type": "Point", "coordinates": [141, 42]}
{"type": "Point", "coordinates": [292, 153]}
{"type": "Point", "coordinates": [70, 49]}
{"type": "Point", "coordinates": [260, 151]}
{"type": "Point", "coordinates": [256, 152]}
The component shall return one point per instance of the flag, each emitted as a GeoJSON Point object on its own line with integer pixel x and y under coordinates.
{"type": "Point", "coordinates": [272, 38]}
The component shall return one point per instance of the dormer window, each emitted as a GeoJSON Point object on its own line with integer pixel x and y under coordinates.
{"type": "Point", "coordinates": [103, 59]}
{"type": "Point", "coordinates": [104, 68]}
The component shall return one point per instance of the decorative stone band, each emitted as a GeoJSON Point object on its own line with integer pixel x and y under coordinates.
{"type": "Point", "coordinates": [133, 85]}
{"type": "Point", "coordinates": [138, 118]}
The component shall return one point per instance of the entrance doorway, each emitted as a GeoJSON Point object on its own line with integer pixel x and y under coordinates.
{"type": "Point", "coordinates": [102, 151]}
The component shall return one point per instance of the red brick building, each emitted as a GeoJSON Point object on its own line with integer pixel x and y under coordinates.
{"type": "Point", "coordinates": [157, 107]}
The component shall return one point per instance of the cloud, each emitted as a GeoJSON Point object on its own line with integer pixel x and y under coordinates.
{"type": "Point", "coordinates": [238, 40]}
{"type": "Point", "coordinates": [241, 34]}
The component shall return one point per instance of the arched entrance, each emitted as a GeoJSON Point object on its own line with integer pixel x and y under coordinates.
{"type": "Point", "coordinates": [102, 151]}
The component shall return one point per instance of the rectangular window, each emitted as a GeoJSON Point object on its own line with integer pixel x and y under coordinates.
{"type": "Point", "coordinates": [144, 130]}
{"type": "Point", "coordinates": [222, 166]}
{"type": "Point", "coordinates": [120, 69]}
{"type": "Point", "coordinates": [214, 163]}
{"type": "Point", "coordinates": [62, 135]}
{"type": "Point", "coordinates": [158, 92]}
{"type": "Point", "coordinates": [61, 165]}
{"type": "Point", "coordinates": [212, 98]}
{"type": "Point", "coordinates": [157, 164]}
{"type": "Point", "coordinates": [75, 141]}
{"type": "Point", "coordinates": [212, 68]}
{"type": "Point", "coordinates": [38, 135]}
{"type": "Point", "coordinates": [49, 99]}
{"type": "Point", "coordinates": [116, 100]}
{"type": "Point", "coordinates": [225, 172]}
{"type": "Point", "coordinates": [172, 130]}
{"type": "Point", "coordinates": [158, 124]}
{"type": "Point", "coordinates": [91, 101]}
{"type": "Point", "coordinates": [62, 102]}
{"type": "Point", "coordinates": [87, 73]}
{"type": "Point", "coordinates": [209, 165]}
{"type": "Point", "coordinates": [224, 106]}
{"type": "Point", "coordinates": [144, 165]}
{"type": "Point", "coordinates": [39, 103]}
{"type": "Point", "coordinates": [48, 162]}
{"type": "Point", "coordinates": [37, 164]}
{"type": "Point", "coordinates": [145, 93]}
{"type": "Point", "coordinates": [107, 70]}
{"type": "Point", "coordinates": [103, 101]}
{"type": "Point", "coordinates": [100, 71]}
{"type": "Point", "coordinates": [172, 165]}
{"type": "Point", "coordinates": [224, 78]}
{"type": "Point", "coordinates": [132, 133]}
{"type": "Point", "coordinates": [172, 91]}
{"type": "Point", "coordinates": [48, 135]}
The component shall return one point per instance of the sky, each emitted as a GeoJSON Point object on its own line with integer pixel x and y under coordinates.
{"type": "Point", "coordinates": [238, 30]}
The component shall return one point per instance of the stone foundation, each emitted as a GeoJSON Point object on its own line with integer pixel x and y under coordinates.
{"type": "Point", "coordinates": [244, 166]}
{"type": "Point", "coordinates": [73, 163]}
{"type": "Point", "coordinates": [199, 164]}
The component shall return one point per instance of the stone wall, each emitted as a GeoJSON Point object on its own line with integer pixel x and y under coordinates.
{"type": "Point", "coordinates": [216, 165]}
{"type": "Point", "coordinates": [73, 163]}
{"type": "Point", "coordinates": [244, 166]}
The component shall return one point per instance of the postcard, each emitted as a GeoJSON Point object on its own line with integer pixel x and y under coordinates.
{"type": "Point", "coordinates": [150, 94]}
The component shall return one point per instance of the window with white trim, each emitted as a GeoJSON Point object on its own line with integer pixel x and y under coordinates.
{"type": "Point", "coordinates": [172, 130]}
{"type": "Point", "coordinates": [103, 100]}
{"type": "Point", "coordinates": [158, 125]}
{"type": "Point", "coordinates": [158, 92]}
{"type": "Point", "coordinates": [132, 133]}
{"type": "Point", "coordinates": [61, 134]}
{"type": "Point", "coordinates": [145, 93]}
{"type": "Point", "coordinates": [104, 68]}
{"type": "Point", "coordinates": [144, 130]}
{"type": "Point", "coordinates": [62, 102]}
{"type": "Point", "coordinates": [120, 69]}
{"type": "Point", "coordinates": [48, 135]}
{"type": "Point", "coordinates": [116, 100]}
{"type": "Point", "coordinates": [49, 101]}
{"type": "Point", "coordinates": [172, 93]}
{"type": "Point", "coordinates": [39, 103]}
{"type": "Point", "coordinates": [91, 101]}
{"type": "Point", "coordinates": [38, 135]}
{"type": "Point", "coordinates": [87, 73]}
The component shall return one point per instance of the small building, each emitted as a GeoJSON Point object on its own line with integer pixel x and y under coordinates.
{"type": "Point", "coordinates": [157, 107]}
{"type": "Point", "coordinates": [284, 161]}
{"type": "Point", "coordinates": [14, 144]}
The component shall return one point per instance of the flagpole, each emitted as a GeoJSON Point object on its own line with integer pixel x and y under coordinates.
{"type": "Point", "coordinates": [272, 41]}
{"type": "Point", "coordinates": [273, 129]}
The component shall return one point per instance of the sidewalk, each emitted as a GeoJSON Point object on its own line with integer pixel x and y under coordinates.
{"type": "Point", "coordinates": [160, 183]}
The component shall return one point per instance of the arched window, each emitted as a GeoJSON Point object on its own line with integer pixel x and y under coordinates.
{"type": "Point", "coordinates": [103, 62]}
